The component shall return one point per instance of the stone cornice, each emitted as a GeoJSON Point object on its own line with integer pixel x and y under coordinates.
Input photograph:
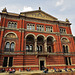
{"type": "Point", "coordinates": [24, 17]}
{"type": "Point", "coordinates": [67, 35]}
{"type": "Point", "coordinates": [41, 31]}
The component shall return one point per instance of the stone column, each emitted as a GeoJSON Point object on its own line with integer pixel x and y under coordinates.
{"type": "Point", "coordinates": [45, 45]}
{"type": "Point", "coordinates": [35, 45]}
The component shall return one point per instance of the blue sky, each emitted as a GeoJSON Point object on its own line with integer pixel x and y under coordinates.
{"type": "Point", "coordinates": [60, 9]}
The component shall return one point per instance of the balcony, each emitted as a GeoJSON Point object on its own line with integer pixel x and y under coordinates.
{"type": "Point", "coordinates": [38, 53]}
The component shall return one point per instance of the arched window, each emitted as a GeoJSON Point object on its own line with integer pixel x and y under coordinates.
{"type": "Point", "coordinates": [12, 47]}
{"type": "Point", "coordinates": [7, 47]}
{"type": "Point", "coordinates": [66, 49]}
{"type": "Point", "coordinates": [40, 48]}
{"type": "Point", "coordinates": [63, 48]}
{"type": "Point", "coordinates": [50, 49]}
{"type": "Point", "coordinates": [31, 47]}
{"type": "Point", "coordinates": [27, 48]}
{"type": "Point", "coordinates": [37, 48]}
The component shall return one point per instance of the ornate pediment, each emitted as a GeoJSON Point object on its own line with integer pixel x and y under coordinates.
{"type": "Point", "coordinates": [11, 36]}
{"type": "Point", "coordinates": [39, 15]}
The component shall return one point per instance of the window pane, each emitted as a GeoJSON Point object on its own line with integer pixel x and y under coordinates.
{"type": "Point", "coordinates": [12, 47]}
{"type": "Point", "coordinates": [40, 48]}
{"type": "Point", "coordinates": [12, 24]}
{"type": "Point", "coordinates": [69, 60]}
{"type": "Point", "coordinates": [10, 61]}
{"type": "Point", "coordinates": [5, 61]}
{"type": "Point", "coordinates": [31, 47]}
{"type": "Point", "coordinates": [7, 47]}
{"type": "Point", "coordinates": [9, 25]}
{"type": "Point", "coordinates": [50, 49]}
{"type": "Point", "coordinates": [66, 49]}
{"type": "Point", "coordinates": [63, 49]}
{"type": "Point", "coordinates": [15, 25]}
{"type": "Point", "coordinates": [27, 48]}
{"type": "Point", "coordinates": [66, 61]}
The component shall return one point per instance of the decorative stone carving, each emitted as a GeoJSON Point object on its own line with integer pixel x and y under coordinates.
{"type": "Point", "coordinates": [4, 10]}
{"type": "Point", "coordinates": [11, 36]}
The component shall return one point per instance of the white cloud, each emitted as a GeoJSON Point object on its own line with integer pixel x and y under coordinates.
{"type": "Point", "coordinates": [59, 3]}
{"type": "Point", "coordinates": [27, 8]}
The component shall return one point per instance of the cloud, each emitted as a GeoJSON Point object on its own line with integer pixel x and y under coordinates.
{"type": "Point", "coordinates": [27, 8]}
{"type": "Point", "coordinates": [59, 3]}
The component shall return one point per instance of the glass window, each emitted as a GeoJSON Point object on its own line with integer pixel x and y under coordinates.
{"type": "Point", "coordinates": [66, 49]}
{"type": "Point", "coordinates": [63, 48]}
{"type": "Point", "coordinates": [49, 28]}
{"type": "Point", "coordinates": [40, 48]}
{"type": "Point", "coordinates": [40, 28]}
{"type": "Point", "coordinates": [12, 24]}
{"type": "Point", "coordinates": [7, 47]}
{"type": "Point", "coordinates": [10, 61]}
{"type": "Point", "coordinates": [27, 47]}
{"type": "Point", "coordinates": [9, 25]}
{"type": "Point", "coordinates": [37, 48]}
{"type": "Point", "coordinates": [12, 47]}
{"type": "Point", "coordinates": [50, 49]}
{"type": "Point", "coordinates": [31, 47]}
{"type": "Point", "coordinates": [5, 61]}
{"type": "Point", "coordinates": [62, 30]}
{"type": "Point", "coordinates": [30, 26]}
{"type": "Point", "coordinates": [68, 60]}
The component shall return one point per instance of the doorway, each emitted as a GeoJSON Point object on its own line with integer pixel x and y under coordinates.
{"type": "Point", "coordinates": [41, 64]}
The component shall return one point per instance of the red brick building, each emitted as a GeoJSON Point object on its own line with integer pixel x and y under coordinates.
{"type": "Point", "coordinates": [35, 39]}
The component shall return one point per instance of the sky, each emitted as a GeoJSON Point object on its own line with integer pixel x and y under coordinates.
{"type": "Point", "coordinates": [60, 9]}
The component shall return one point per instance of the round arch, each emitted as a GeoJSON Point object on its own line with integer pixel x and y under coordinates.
{"type": "Point", "coordinates": [30, 34]}
{"type": "Point", "coordinates": [9, 33]}
{"type": "Point", "coordinates": [41, 35]}
{"type": "Point", "coordinates": [65, 37]}
{"type": "Point", "coordinates": [51, 36]}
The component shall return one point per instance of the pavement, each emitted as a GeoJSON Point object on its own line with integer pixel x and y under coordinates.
{"type": "Point", "coordinates": [36, 72]}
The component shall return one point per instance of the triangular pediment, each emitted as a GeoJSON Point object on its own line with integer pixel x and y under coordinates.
{"type": "Point", "coordinates": [39, 15]}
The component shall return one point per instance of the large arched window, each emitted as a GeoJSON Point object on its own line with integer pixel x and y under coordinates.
{"type": "Point", "coordinates": [12, 46]}
{"type": "Point", "coordinates": [7, 47]}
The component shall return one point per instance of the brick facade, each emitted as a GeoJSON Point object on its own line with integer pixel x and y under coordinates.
{"type": "Point", "coordinates": [23, 59]}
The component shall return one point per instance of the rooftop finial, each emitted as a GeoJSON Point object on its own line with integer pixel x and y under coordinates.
{"type": "Point", "coordinates": [67, 20]}
{"type": "Point", "coordinates": [4, 10]}
{"type": "Point", "coordinates": [39, 8]}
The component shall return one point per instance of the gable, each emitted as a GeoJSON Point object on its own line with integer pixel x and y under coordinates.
{"type": "Point", "coordinates": [39, 15]}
